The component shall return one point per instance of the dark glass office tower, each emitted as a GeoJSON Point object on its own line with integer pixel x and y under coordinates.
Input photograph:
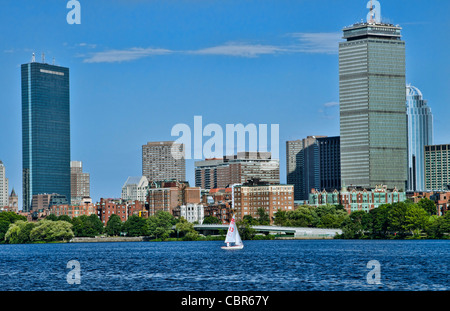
{"type": "Point", "coordinates": [330, 163]}
{"type": "Point", "coordinates": [45, 131]}
{"type": "Point", "coordinates": [372, 106]}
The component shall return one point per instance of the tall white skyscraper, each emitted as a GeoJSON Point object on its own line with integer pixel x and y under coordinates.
{"type": "Point", "coordinates": [4, 186]}
{"type": "Point", "coordinates": [420, 134]}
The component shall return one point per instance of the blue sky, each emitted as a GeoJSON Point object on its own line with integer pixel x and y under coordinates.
{"type": "Point", "coordinates": [138, 68]}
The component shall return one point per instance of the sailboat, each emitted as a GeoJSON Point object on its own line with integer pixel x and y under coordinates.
{"type": "Point", "coordinates": [233, 237]}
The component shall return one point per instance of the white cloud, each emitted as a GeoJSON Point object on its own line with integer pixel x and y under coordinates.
{"type": "Point", "coordinates": [331, 104]}
{"type": "Point", "coordinates": [323, 43]}
{"type": "Point", "coordinates": [114, 56]}
{"type": "Point", "coordinates": [88, 45]}
{"type": "Point", "coordinates": [317, 42]}
{"type": "Point", "coordinates": [329, 110]}
{"type": "Point", "coordinates": [240, 50]}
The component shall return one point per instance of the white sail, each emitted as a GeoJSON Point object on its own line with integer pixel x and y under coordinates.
{"type": "Point", "coordinates": [231, 234]}
{"type": "Point", "coordinates": [238, 237]}
{"type": "Point", "coordinates": [233, 237]}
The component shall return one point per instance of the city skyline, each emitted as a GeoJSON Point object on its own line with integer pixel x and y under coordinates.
{"type": "Point", "coordinates": [198, 59]}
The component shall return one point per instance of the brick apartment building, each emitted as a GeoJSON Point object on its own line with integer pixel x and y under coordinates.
{"type": "Point", "coordinates": [167, 195]}
{"type": "Point", "coordinates": [73, 210]}
{"type": "Point", "coordinates": [124, 209]}
{"type": "Point", "coordinates": [254, 194]}
{"type": "Point", "coordinates": [440, 198]}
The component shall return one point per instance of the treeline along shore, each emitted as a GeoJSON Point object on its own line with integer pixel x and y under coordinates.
{"type": "Point", "coordinates": [403, 220]}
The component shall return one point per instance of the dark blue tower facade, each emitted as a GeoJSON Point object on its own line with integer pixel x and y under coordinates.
{"type": "Point", "coordinates": [45, 131]}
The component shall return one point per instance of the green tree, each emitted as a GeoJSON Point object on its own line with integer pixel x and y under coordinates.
{"type": "Point", "coordinates": [87, 226]}
{"type": "Point", "coordinates": [280, 218]}
{"type": "Point", "coordinates": [52, 217]}
{"type": "Point", "coordinates": [417, 219]}
{"type": "Point", "coordinates": [439, 227]}
{"type": "Point", "coordinates": [136, 226]}
{"type": "Point", "coordinates": [186, 229]}
{"type": "Point", "coordinates": [48, 231]}
{"type": "Point", "coordinates": [191, 236]}
{"type": "Point", "coordinates": [428, 205]}
{"type": "Point", "coordinates": [114, 225]}
{"type": "Point", "coordinates": [377, 222]}
{"type": "Point", "coordinates": [263, 217]}
{"type": "Point", "coordinates": [249, 219]}
{"type": "Point", "coordinates": [77, 227]}
{"type": "Point", "coordinates": [160, 225]}
{"type": "Point", "coordinates": [333, 219]}
{"type": "Point", "coordinates": [300, 217]}
{"type": "Point", "coordinates": [246, 230]}
{"type": "Point", "coordinates": [19, 232]}
{"type": "Point", "coordinates": [397, 219]}
{"type": "Point", "coordinates": [183, 226]}
{"type": "Point", "coordinates": [211, 220]}
{"type": "Point", "coordinates": [7, 218]}
{"type": "Point", "coordinates": [355, 225]}
{"type": "Point", "coordinates": [65, 218]}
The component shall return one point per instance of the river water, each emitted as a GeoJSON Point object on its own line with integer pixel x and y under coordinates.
{"type": "Point", "coordinates": [279, 265]}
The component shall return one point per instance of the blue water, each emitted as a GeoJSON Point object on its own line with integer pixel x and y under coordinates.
{"type": "Point", "coordinates": [292, 265]}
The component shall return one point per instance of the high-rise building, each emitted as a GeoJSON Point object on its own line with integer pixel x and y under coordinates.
{"type": "Point", "coordinates": [330, 163]}
{"type": "Point", "coordinates": [237, 169]}
{"type": "Point", "coordinates": [303, 165]}
{"type": "Point", "coordinates": [163, 160]}
{"type": "Point", "coordinates": [45, 131]}
{"type": "Point", "coordinates": [437, 167]}
{"type": "Point", "coordinates": [80, 183]}
{"type": "Point", "coordinates": [420, 134]}
{"type": "Point", "coordinates": [4, 184]}
{"type": "Point", "coordinates": [372, 97]}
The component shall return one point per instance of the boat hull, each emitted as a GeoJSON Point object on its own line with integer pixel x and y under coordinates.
{"type": "Point", "coordinates": [232, 247]}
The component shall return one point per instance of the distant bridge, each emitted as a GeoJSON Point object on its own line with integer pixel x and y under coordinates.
{"type": "Point", "coordinates": [297, 231]}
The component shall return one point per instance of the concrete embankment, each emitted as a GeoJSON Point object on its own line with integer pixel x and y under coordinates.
{"type": "Point", "coordinates": [107, 239]}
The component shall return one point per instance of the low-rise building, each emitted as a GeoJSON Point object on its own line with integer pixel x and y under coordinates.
{"type": "Point", "coordinates": [222, 211]}
{"type": "Point", "coordinates": [168, 195]}
{"type": "Point", "coordinates": [135, 189]}
{"type": "Point", "coordinates": [73, 210]}
{"type": "Point", "coordinates": [124, 209]}
{"type": "Point", "coordinates": [440, 198]}
{"type": "Point", "coordinates": [193, 212]}
{"type": "Point", "coordinates": [357, 199]}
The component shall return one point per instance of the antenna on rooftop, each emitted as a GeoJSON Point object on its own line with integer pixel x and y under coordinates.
{"type": "Point", "coordinates": [33, 58]}
{"type": "Point", "coordinates": [43, 57]}
{"type": "Point", "coordinates": [374, 15]}
{"type": "Point", "coordinates": [371, 12]}
{"type": "Point", "coordinates": [53, 62]}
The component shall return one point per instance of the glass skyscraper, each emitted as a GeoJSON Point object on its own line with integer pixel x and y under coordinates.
{"type": "Point", "coordinates": [420, 134]}
{"type": "Point", "coordinates": [373, 127]}
{"type": "Point", "coordinates": [45, 131]}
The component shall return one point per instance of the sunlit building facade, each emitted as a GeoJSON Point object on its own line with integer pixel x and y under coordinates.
{"type": "Point", "coordinates": [420, 134]}
{"type": "Point", "coordinates": [373, 129]}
